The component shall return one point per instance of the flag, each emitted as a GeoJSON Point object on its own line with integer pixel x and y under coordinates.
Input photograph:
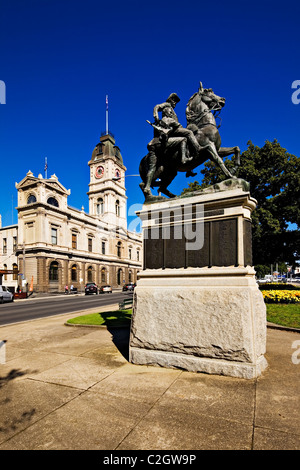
{"type": "Point", "coordinates": [106, 102]}
{"type": "Point", "coordinates": [46, 166]}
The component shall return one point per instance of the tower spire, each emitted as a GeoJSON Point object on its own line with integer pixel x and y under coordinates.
{"type": "Point", "coordinates": [46, 167]}
{"type": "Point", "coordinates": [106, 114]}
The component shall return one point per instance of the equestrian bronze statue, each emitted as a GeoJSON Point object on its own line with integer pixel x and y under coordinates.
{"type": "Point", "coordinates": [176, 148]}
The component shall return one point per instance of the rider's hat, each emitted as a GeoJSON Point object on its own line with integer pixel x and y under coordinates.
{"type": "Point", "coordinates": [174, 97]}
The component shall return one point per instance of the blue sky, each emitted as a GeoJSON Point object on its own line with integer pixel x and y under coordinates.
{"type": "Point", "coordinates": [60, 58]}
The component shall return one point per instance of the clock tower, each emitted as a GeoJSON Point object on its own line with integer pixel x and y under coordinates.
{"type": "Point", "coordinates": [107, 192]}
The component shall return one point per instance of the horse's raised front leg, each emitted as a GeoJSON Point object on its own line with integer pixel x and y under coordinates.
{"type": "Point", "coordinates": [218, 160]}
{"type": "Point", "coordinates": [225, 151]}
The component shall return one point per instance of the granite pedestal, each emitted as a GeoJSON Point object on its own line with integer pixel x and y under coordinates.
{"type": "Point", "coordinates": [197, 305]}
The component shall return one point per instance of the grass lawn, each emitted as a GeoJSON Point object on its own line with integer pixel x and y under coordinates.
{"type": "Point", "coordinates": [284, 314]}
{"type": "Point", "coordinates": [280, 314]}
{"type": "Point", "coordinates": [115, 318]}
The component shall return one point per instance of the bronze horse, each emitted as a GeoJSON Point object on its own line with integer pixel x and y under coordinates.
{"type": "Point", "coordinates": [200, 114]}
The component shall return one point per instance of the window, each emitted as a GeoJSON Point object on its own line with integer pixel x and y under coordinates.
{"type": "Point", "coordinates": [53, 271]}
{"type": "Point", "coordinates": [31, 199]}
{"type": "Point", "coordinates": [119, 277]}
{"type": "Point", "coordinates": [90, 245]}
{"type": "Point", "coordinates": [15, 272]}
{"type": "Point", "coordinates": [52, 201]}
{"type": "Point", "coordinates": [103, 275]}
{"type": "Point", "coordinates": [118, 208]}
{"type": "Point", "coordinates": [15, 243]}
{"type": "Point", "coordinates": [74, 273]}
{"type": "Point", "coordinates": [4, 246]}
{"type": "Point", "coordinates": [119, 249]}
{"type": "Point", "coordinates": [129, 253]}
{"type": "Point", "coordinates": [90, 274]}
{"type": "Point", "coordinates": [74, 241]}
{"type": "Point", "coordinates": [100, 206]}
{"type": "Point", "coordinates": [53, 236]}
{"type": "Point", "coordinates": [5, 275]}
{"type": "Point", "coordinates": [138, 255]}
{"type": "Point", "coordinates": [103, 248]}
{"type": "Point", "coordinates": [129, 276]}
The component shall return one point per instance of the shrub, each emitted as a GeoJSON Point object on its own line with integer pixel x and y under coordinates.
{"type": "Point", "coordinates": [276, 286]}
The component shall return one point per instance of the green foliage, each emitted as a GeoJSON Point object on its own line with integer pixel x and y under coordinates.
{"type": "Point", "coordinates": [261, 270]}
{"type": "Point", "coordinates": [194, 186]}
{"type": "Point", "coordinates": [278, 286]}
{"type": "Point", "coordinates": [274, 177]}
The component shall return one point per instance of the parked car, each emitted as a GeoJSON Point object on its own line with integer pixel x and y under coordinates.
{"type": "Point", "coordinates": [5, 295]}
{"type": "Point", "coordinates": [91, 288]}
{"type": "Point", "coordinates": [129, 286]}
{"type": "Point", "coordinates": [104, 289]}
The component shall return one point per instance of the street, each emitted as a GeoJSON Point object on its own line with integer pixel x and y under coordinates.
{"type": "Point", "coordinates": [39, 307]}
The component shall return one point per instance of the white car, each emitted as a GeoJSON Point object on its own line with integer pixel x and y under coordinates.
{"type": "Point", "coordinates": [104, 289]}
{"type": "Point", "coordinates": [5, 295]}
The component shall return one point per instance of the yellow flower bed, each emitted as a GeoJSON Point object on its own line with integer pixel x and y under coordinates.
{"type": "Point", "coordinates": [281, 296]}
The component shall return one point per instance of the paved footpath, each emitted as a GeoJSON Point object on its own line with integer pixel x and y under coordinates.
{"type": "Point", "coordinates": [72, 388]}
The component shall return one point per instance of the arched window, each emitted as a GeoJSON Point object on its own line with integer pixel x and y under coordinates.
{"type": "Point", "coordinates": [119, 277]}
{"type": "Point", "coordinates": [129, 276]}
{"type": "Point", "coordinates": [119, 249]}
{"type": "Point", "coordinates": [74, 273]}
{"type": "Point", "coordinates": [90, 274]}
{"type": "Point", "coordinates": [5, 275]}
{"type": "Point", "coordinates": [103, 275]}
{"type": "Point", "coordinates": [117, 208]}
{"type": "Point", "coordinates": [52, 201]}
{"type": "Point", "coordinates": [15, 272]}
{"type": "Point", "coordinates": [53, 271]}
{"type": "Point", "coordinates": [100, 206]}
{"type": "Point", "coordinates": [31, 199]}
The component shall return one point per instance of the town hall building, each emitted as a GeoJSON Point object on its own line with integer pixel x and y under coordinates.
{"type": "Point", "coordinates": [54, 245]}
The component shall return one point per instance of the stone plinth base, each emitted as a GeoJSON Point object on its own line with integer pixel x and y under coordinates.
{"type": "Point", "coordinates": [197, 364]}
{"type": "Point", "coordinates": [210, 320]}
{"type": "Point", "coordinates": [197, 305]}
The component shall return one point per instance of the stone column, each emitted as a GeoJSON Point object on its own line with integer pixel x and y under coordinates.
{"type": "Point", "coordinates": [42, 275]}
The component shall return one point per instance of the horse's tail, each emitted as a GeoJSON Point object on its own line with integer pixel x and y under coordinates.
{"type": "Point", "coordinates": [143, 168]}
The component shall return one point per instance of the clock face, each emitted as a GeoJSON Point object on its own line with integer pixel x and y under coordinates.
{"type": "Point", "coordinates": [99, 172]}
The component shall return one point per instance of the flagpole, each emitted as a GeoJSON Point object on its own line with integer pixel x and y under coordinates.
{"type": "Point", "coordinates": [106, 114]}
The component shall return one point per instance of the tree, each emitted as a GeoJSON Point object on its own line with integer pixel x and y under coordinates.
{"type": "Point", "coordinates": [274, 177]}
